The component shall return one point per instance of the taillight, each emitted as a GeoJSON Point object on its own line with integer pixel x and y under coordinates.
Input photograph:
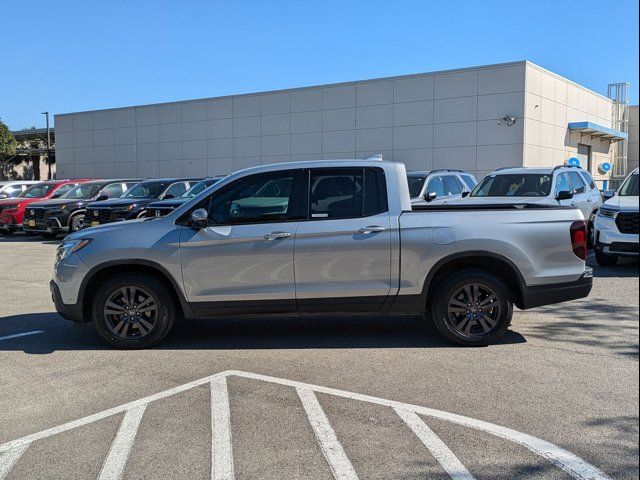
{"type": "Point", "coordinates": [579, 239]}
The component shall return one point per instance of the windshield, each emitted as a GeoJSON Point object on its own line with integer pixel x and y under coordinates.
{"type": "Point", "coordinates": [630, 187]}
{"type": "Point", "coordinates": [37, 191]}
{"type": "Point", "coordinates": [199, 187]}
{"type": "Point", "coordinates": [514, 185]}
{"type": "Point", "coordinates": [415, 185]}
{"type": "Point", "coordinates": [83, 191]}
{"type": "Point", "coordinates": [147, 190]}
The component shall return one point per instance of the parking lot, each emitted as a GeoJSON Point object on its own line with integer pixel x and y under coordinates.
{"type": "Point", "coordinates": [318, 398]}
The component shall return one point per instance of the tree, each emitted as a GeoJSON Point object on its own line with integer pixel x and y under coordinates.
{"type": "Point", "coordinates": [8, 143]}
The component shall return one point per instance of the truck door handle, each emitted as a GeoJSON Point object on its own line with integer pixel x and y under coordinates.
{"type": "Point", "coordinates": [276, 235]}
{"type": "Point", "coordinates": [371, 229]}
{"type": "Point", "coordinates": [590, 200]}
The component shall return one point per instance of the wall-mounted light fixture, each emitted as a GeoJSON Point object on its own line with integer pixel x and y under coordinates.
{"type": "Point", "coordinates": [507, 120]}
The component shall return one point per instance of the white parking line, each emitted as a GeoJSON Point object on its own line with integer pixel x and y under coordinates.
{"type": "Point", "coordinates": [113, 466]}
{"type": "Point", "coordinates": [23, 334]}
{"type": "Point", "coordinates": [567, 461]}
{"type": "Point", "coordinates": [331, 448]}
{"type": "Point", "coordinates": [221, 446]}
{"type": "Point", "coordinates": [445, 457]}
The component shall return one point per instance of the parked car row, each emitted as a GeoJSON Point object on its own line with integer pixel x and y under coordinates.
{"type": "Point", "coordinates": [62, 206]}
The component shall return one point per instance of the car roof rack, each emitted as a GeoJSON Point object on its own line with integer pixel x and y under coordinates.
{"type": "Point", "coordinates": [558, 167]}
{"type": "Point", "coordinates": [439, 170]}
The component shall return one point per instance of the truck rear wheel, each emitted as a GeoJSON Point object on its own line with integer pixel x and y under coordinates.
{"type": "Point", "coordinates": [133, 311]}
{"type": "Point", "coordinates": [472, 308]}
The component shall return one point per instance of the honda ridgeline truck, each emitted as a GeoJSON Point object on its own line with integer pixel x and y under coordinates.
{"type": "Point", "coordinates": [321, 237]}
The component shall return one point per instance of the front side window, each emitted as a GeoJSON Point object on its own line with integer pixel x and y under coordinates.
{"type": "Point", "coordinates": [514, 185]}
{"type": "Point", "coordinates": [82, 191]}
{"type": "Point", "coordinates": [63, 189]}
{"type": "Point", "coordinates": [261, 198]}
{"type": "Point", "coordinates": [176, 190]}
{"type": "Point", "coordinates": [415, 185]}
{"type": "Point", "coordinates": [112, 191]}
{"type": "Point", "coordinates": [577, 183]}
{"type": "Point", "coordinates": [470, 181]}
{"type": "Point", "coordinates": [451, 185]}
{"type": "Point", "coordinates": [563, 184]}
{"type": "Point", "coordinates": [147, 190]}
{"type": "Point", "coordinates": [630, 187]}
{"type": "Point", "coordinates": [435, 186]}
{"type": "Point", "coordinates": [40, 190]}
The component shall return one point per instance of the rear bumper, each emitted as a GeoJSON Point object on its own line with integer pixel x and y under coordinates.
{"type": "Point", "coordinates": [71, 312]}
{"type": "Point", "coordinates": [540, 295]}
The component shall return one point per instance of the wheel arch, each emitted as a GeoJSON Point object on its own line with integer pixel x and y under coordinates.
{"type": "Point", "coordinates": [97, 274]}
{"type": "Point", "coordinates": [493, 263]}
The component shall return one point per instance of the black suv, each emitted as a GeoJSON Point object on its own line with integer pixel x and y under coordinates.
{"type": "Point", "coordinates": [133, 204]}
{"type": "Point", "coordinates": [67, 213]}
{"type": "Point", "coordinates": [164, 207]}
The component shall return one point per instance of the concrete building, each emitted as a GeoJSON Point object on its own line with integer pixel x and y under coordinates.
{"type": "Point", "coordinates": [634, 133]}
{"type": "Point", "coordinates": [476, 119]}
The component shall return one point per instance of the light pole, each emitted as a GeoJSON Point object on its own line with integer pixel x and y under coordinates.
{"type": "Point", "coordinates": [48, 147]}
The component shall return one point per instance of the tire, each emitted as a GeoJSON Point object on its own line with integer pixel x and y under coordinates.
{"type": "Point", "coordinates": [127, 330]}
{"type": "Point", "coordinates": [606, 260]}
{"type": "Point", "coordinates": [590, 230]}
{"type": "Point", "coordinates": [76, 223]}
{"type": "Point", "coordinates": [461, 326]}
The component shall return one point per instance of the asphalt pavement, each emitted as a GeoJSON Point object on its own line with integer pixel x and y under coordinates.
{"type": "Point", "coordinates": [378, 397]}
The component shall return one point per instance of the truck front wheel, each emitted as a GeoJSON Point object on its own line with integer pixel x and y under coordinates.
{"type": "Point", "coordinates": [472, 308]}
{"type": "Point", "coordinates": [133, 311]}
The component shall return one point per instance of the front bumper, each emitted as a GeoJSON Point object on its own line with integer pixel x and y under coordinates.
{"type": "Point", "coordinates": [8, 222]}
{"type": "Point", "coordinates": [72, 311]}
{"type": "Point", "coordinates": [50, 225]}
{"type": "Point", "coordinates": [610, 241]}
{"type": "Point", "coordinates": [539, 295]}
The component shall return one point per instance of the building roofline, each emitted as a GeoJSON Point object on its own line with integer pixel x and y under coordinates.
{"type": "Point", "coordinates": [312, 87]}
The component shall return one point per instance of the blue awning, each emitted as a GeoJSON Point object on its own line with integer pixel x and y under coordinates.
{"type": "Point", "coordinates": [598, 131]}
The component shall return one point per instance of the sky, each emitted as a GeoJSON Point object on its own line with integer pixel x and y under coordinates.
{"type": "Point", "coordinates": [65, 56]}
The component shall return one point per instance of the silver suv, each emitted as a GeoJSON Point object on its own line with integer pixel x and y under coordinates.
{"type": "Point", "coordinates": [616, 227]}
{"type": "Point", "coordinates": [435, 187]}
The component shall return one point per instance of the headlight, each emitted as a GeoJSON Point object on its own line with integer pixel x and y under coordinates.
{"type": "Point", "coordinates": [66, 248]}
{"type": "Point", "coordinates": [607, 212]}
{"type": "Point", "coordinates": [125, 209]}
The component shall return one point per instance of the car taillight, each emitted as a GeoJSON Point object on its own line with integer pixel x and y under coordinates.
{"type": "Point", "coordinates": [579, 239]}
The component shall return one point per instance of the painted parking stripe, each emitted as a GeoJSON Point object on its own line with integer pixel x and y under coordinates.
{"type": "Point", "coordinates": [443, 455]}
{"type": "Point", "coordinates": [331, 448]}
{"type": "Point", "coordinates": [221, 446]}
{"type": "Point", "coordinates": [23, 334]}
{"type": "Point", "coordinates": [114, 464]}
{"type": "Point", "coordinates": [567, 461]}
{"type": "Point", "coordinates": [9, 459]}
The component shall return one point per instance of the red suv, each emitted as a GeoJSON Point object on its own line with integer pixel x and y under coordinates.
{"type": "Point", "coordinates": [12, 209]}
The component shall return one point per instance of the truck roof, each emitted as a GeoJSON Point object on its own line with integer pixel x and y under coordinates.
{"type": "Point", "coordinates": [336, 163]}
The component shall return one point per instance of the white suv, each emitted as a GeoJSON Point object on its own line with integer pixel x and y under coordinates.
{"type": "Point", "coordinates": [615, 232]}
{"type": "Point", "coordinates": [562, 185]}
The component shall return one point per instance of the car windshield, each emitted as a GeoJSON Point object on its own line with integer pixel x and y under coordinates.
{"type": "Point", "coordinates": [199, 187]}
{"type": "Point", "coordinates": [86, 190]}
{"type": "Point", "coordinates": [147, 190]}
{"type": "Point", "coordinates": [630, 187]}
{"type": "Point", "coordinates": [37, 191]}
{"type": "Point", "coordinates": [415, 185]}
{"type": "Point", "coordinates": [514, 185]}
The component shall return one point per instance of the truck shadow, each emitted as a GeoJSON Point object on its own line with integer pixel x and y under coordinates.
{"type": "Point", "coordinates": [24, 238]}
{"type": "Point", "coordinates": [241, 333]}
{"type": "Point", "coordinates": [626, 267]}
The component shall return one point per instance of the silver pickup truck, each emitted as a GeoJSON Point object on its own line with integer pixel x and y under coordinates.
{"type": "Point", "coordinates": [321, 237]}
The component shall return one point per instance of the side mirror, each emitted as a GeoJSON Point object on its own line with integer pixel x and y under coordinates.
{"type": "Point", "coordinates": [199, 218]}
{"type": "Point", "coordinates": [102, 198]}
{"type": "Point", "coordinates": [608, 194]}
{"type": "Point", "coordinates": [56, 195]}
{"type": "Point", "coordinates": [564, 195]}
{"type": "Point", "coordinates": [430, 196]}
{"type": "Point", "coordinates": [168, 196]}
{"type": "Point", "coordinates": [465, 194]}
{"type": "Point", "coordinates": [4, 195]}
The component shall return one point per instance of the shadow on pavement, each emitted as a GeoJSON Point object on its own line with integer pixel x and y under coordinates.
{"type": "Point", "coordinates": [20, 237]}
{"type": "Point", "coordinates": [626, 267]}
{"type": "Point", "coordinates": [240, 333]}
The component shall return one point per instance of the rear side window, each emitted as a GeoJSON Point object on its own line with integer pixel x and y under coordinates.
{"type": "Point", "coordinates": [451, 185]}
{"type": "Point", "coordinates": [577, 183]}
{"type": "Point", "coordinates": [346, 193]}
